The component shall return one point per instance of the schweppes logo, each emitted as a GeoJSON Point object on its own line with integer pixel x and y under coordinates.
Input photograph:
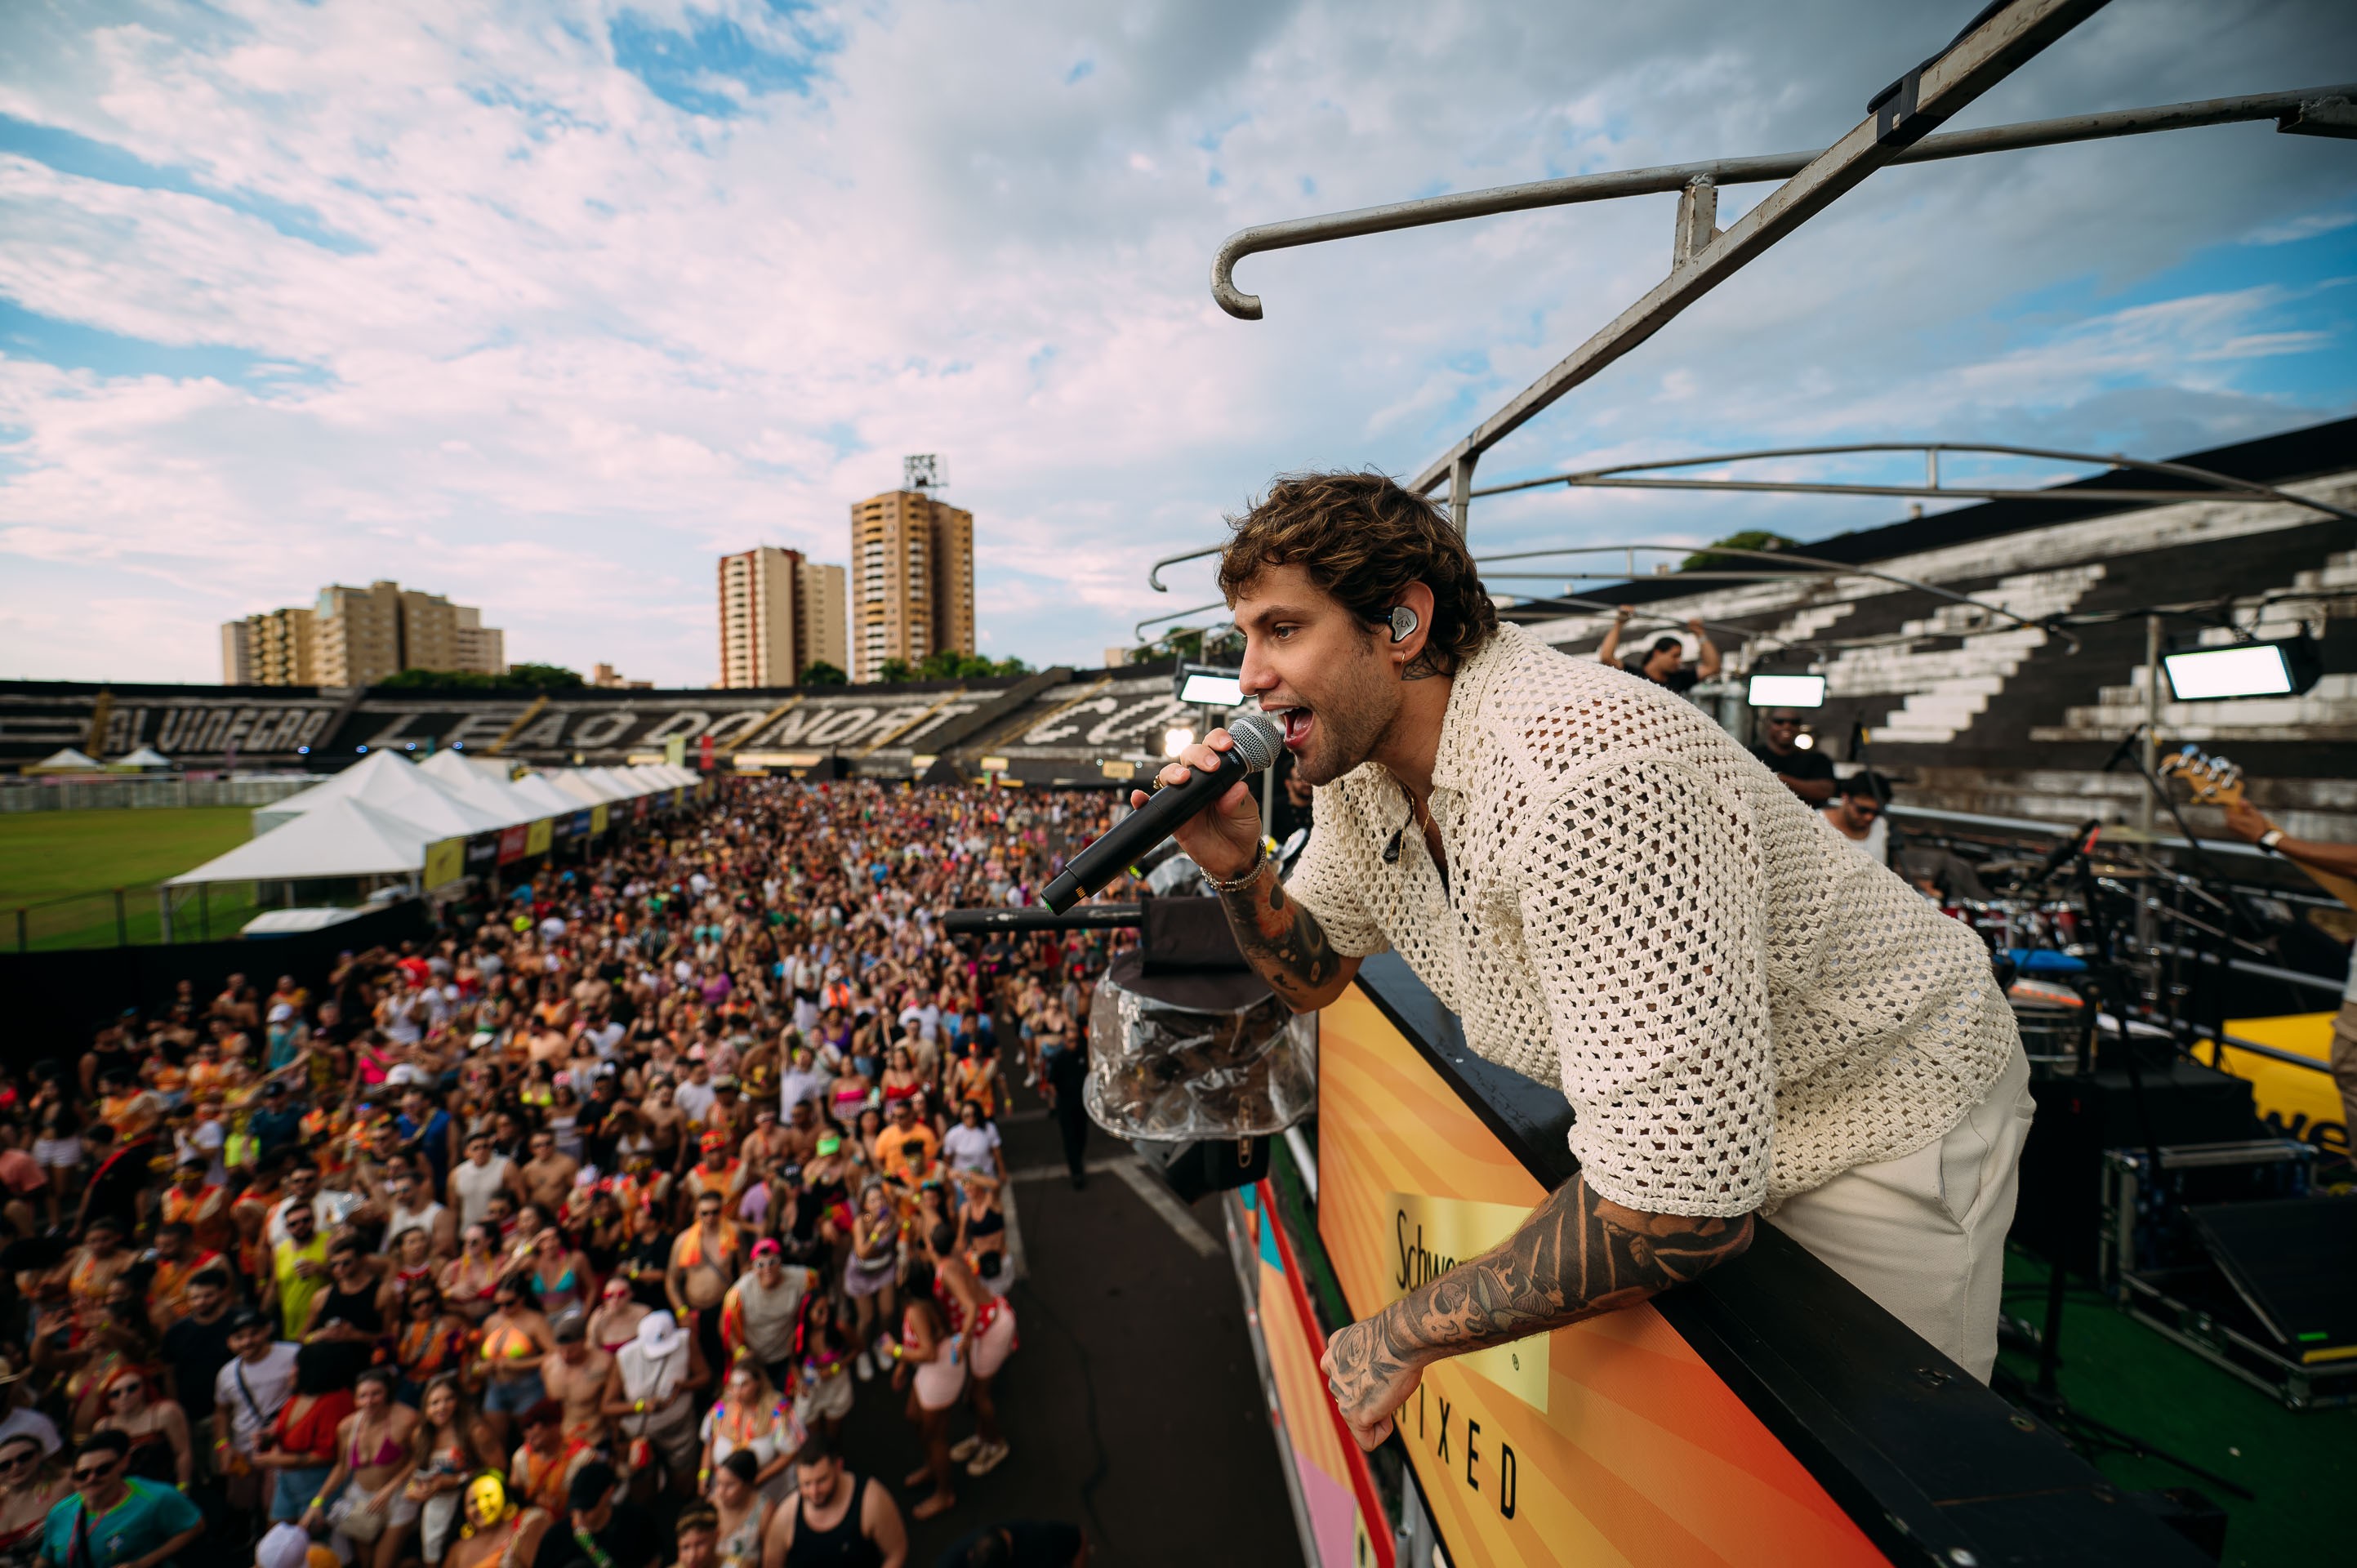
{"type": "Point", "coordinates": [1431, 1236]}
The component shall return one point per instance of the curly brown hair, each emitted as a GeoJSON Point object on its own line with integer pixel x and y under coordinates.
{"type": "Point", "coordinates": [1363, 538]}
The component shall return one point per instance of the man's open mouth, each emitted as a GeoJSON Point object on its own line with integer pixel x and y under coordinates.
{"type": "Point", "coordinates": [1296, 723]}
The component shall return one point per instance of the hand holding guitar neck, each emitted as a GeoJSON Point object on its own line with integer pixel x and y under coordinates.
{"type": "Point", "coordinates": [2215, 781]}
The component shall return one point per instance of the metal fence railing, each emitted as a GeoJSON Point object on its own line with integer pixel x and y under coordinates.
{"type": "Point", "coordinates": [145, 915]}
{"type": "Point", "coordinates": [128, 792]}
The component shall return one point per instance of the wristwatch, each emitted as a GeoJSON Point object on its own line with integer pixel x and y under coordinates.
{"type": "Point", "coordinates": [2271, 841]}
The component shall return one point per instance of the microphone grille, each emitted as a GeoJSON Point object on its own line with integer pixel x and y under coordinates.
{"type": "Point", "coordinates": [1257, 740]}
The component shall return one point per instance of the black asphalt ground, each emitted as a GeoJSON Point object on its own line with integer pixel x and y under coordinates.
{"type": "Point", "coordinates": [1132, 1406]}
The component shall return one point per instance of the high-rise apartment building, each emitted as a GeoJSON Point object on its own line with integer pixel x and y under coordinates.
{"type": "Point", "coordinates": [237, 652]}
{"type": "Point", "coordinates": [477, 646]}
{"type": "Point", "coordinates": [277, 648]}
{"type": "Point", "coordinates": [779, 614]}
{"type": "Point", "coordinates": [356, 637]}
{"type": "Point", "coordinates": [912, 580]}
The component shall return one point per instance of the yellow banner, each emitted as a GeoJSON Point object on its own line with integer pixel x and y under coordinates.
{"type": "Point", "coordinates": [1431, 1236]}
{"type": "Point", "coordinates": [2304, 1103]}
{"type": "Point", "coordinates": [1609, 1441]}
{"type": "Point", "coordinates": [537, 837]}
{"type": "Point", "coordinates": [597, 818]}
{"type": "Point", "coordinates": [445, 862]}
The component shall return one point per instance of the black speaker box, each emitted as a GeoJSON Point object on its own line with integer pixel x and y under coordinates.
{"type": "Point", "coordinates": [2079, 1117]}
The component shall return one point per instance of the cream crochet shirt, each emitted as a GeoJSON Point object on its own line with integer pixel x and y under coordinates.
{"type": "Point", "coordinates": [1738, 1003]}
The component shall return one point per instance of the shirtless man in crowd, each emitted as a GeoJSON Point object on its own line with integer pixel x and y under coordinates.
{"type": "Point", "coordinates": [548, 1175]}
{"type": "Point", "coordinates": [576, 1377]}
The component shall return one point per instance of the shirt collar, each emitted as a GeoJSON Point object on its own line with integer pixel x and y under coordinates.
{"type": "Point", "coordinates": [1468, 692]}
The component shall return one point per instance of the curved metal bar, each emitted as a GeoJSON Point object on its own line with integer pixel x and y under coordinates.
{"type": "Point", "coordinates": [1669, 177]}
{"type": "Point", "coordinates": [1139, 629]}
{"type": "Point", "coordinates": [1614, 476]}
{"type": "Point", "coordinates": [1612, 577]}
{"type": "Point", "coordinates": [1841, 568]}
{"type": "Point", "coordinates": [1154, 573]}
{"type": "Point", "coordinates": [1902, 492]}
{"type": "Point", "coordinates": [1734, 632]}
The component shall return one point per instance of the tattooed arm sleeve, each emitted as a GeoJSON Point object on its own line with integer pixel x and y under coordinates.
{"type": "Point", "coordinates": [1577, 1255]}
{"type": "Point", "coordinates": [1283, 940]}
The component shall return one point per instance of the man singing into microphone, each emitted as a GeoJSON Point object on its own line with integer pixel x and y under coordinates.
{"type": "Point", "coordinates": [1750, 1018]}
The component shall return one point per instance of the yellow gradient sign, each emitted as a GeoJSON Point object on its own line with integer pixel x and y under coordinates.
{"type": "Point", "coordinates": [1431, 1236]}
{"type": "Point", "coordinates": [1605, 1441]}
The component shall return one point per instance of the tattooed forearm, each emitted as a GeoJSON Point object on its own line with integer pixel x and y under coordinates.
{"type": "Point", "coordinates": [1577, 1255]}
{"type": "Point", "coordinates": [1283, 941]}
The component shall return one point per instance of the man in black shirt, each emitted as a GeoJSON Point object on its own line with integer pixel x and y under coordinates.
{"type": "Point", "coordinates": [196, 1348]}
{"type": "Point", "coordinates": [599, 1529]}
{"type": "Point", "coordinates": [278, 1124]}
{"type": "Point", "coordinates": [1807, 773]}
{"type": "Point", "coordinates": [1664, 663]}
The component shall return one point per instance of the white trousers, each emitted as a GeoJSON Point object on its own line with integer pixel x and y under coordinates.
{"type": "Point", "coordinates": [1924, 1234]}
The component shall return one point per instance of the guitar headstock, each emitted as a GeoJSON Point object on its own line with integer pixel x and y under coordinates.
{"type": "Point", "coordinates": [2213, 780]}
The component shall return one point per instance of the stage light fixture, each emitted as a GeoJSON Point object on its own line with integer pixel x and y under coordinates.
{"type": "Point", "coordinates": [1177, 739]}
{"type": "Point", "coordinates": [1787, 692]}
{"type": "Point", "coordinates": [2284, 667]}
{"type": "Point", "coordinates": [1210, 686]}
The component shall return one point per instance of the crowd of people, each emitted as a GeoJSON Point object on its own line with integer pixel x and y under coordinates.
{"type": "Point", "coordinates": [571, 1235]}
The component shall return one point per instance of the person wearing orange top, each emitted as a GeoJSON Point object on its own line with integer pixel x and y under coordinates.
{"type": "Point", "coordinates": [547, 1458]}
{"type": "Point", "coordinates": [905, 1150]}
{"type": "Point", "coordinates": [92, 1267]}
{"type": "Point", "coordinates": [177, 1260]}
{"type": "Point", "coordinates": [201, 1205]}
{"type": "Point", "coordinates": [706, 1259]}
{"type": "Point", "coordinates": [249, 1212]}
{"type": "Point", "coordinates": [716, 1173]}
{"type": "Point", "coordinates": [169, 1080]}
{"type": "Point", "coordinates": [205, 1071]}
{"type": "Point", "coordinates": [131, 1111]}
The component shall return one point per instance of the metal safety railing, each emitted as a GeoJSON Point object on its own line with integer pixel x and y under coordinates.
{"type": "Point", "coordinates": [129, 792]}
{"type": "Point", "coordinates": [143, 915]}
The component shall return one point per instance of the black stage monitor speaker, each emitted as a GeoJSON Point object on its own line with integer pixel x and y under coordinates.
{"type": "Point", "coordinates": [2079, 1117]}
{"type": "Point", "coordinates": [2294, 1263]}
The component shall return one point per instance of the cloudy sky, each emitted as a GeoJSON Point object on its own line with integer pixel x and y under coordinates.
{"type": "Point", "coordinates": [542, 305]}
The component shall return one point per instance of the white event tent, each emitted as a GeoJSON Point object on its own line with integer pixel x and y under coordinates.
{"type": "Point", "coordinates": [480, 782]}
{"type": "Point", "coordinates": [545, 799]}
{"type": "Point", "coordinates": [340, 837]}
{"type": "Point", "coordinates": [390, 782]}
{"type": "Point", "coordinates": [377, 816]}
{"type": "Point", "coordinates": [66, 759]}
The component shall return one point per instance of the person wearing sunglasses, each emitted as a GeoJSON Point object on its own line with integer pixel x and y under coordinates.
{"type": "Point", "coordinates": [156, 1426]}
{"type": "Point", "coordinates": [1857, 815]}
{"type": "Point", "coordinates": [1803, 770]}
{"type": "Point", "coordinates": [114, 1520]}
{"type": "Point", "coordinates": [29, 1487]}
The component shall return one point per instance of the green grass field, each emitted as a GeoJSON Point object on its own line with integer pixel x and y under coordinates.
{"type": "Point", "coordinates": [60, 868]}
